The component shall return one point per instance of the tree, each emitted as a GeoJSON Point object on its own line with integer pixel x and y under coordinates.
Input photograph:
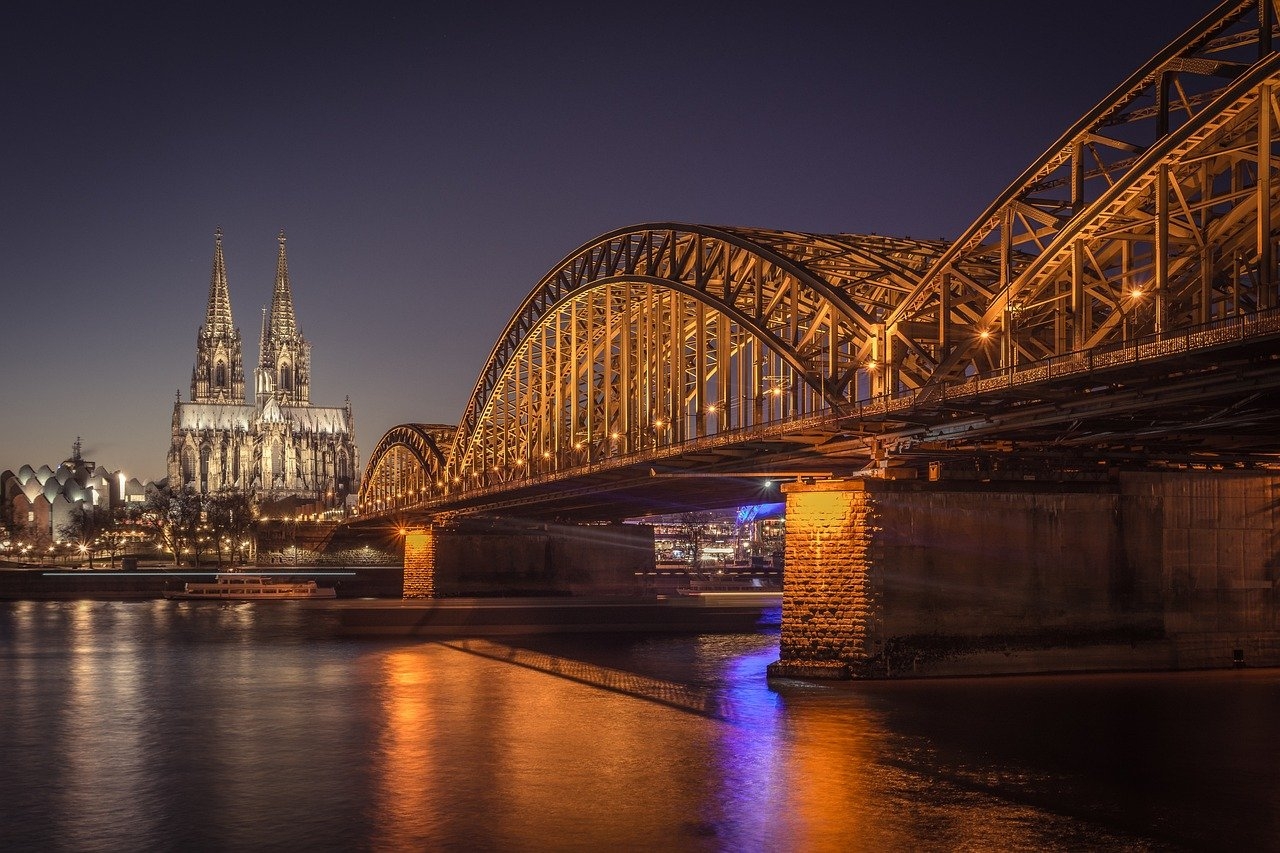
{"type": "Point", "coordinates": [124, 519]}
{"type": "Point", "coordinates": [690, 534]}
{"type": "Point", "coordinates": [232, 517]}
{"type": "Point", "coordinates": [171, 515]}
{"type": "Point", "coordinates": [84, 527]}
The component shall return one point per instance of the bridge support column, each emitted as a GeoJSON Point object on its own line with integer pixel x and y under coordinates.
{"type": "Point", "coordinates": [1142, 570]}
{"type": "Point", "coordinates": [420, 562]}
{"type": "Point", "coordinates": [828, 598]}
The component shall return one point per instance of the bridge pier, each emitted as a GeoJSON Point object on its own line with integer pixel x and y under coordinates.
{"type": "Point", "coordinates": [420, 562]}
{"type": "Point", "coordinates": [1145, 571]}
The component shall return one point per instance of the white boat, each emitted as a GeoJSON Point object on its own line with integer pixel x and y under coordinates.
{"type": "Point", "coordinates": [238, 587]}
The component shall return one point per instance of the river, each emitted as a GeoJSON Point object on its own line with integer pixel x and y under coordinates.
{"type": "Point", "coordinates": [213, 726]}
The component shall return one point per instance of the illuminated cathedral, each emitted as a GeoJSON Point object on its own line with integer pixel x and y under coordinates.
{"type": "Point", "coordinates": [276, 445]}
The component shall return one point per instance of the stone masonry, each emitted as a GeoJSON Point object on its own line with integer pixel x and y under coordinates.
{"type": "Point", "coordinates": [828, 601]}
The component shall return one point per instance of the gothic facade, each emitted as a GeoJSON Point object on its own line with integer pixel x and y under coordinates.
{"type": "Point", "coordinates": [276, 445]}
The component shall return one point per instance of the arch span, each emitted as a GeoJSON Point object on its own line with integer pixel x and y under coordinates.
{"type": "Point", "coordinates": [404, 466]}
{"type": "Point", "coordinates": [651, 336]}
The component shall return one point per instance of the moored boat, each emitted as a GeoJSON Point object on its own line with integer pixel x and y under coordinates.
{"type": "Point", "coordinates": [232, 586]}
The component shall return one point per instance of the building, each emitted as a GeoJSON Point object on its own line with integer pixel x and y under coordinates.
{"type": "Point", "coordinates": [276, 445]}
{"type": "Point", "coordinates": [39, 502]}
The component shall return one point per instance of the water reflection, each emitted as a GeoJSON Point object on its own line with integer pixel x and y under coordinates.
{"type": "Point", "coordinates": [156, 725]}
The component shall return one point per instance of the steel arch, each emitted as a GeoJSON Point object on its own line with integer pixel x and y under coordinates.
{"type": "Point", "coordinates": [404, 465]}
{"type": "Point", "coordinates": [710, 321]}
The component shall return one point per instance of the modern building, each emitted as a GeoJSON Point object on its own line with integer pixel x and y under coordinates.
{"type": "Point", "coordinates": [39, 502]}
{"type": "Point", "coordinates": [277, 444]}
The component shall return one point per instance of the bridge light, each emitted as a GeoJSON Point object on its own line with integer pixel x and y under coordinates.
{"type": "Point", "coordinates": [985, 334]}
{"type": "Point", "coordinates": [659, 424]}
{"type": "Point", "coordinates": [546, 454]}
{"type": "Point", "coordinates": [1135, 293]}
{"type": "Point", "coordinates": [614, 435]}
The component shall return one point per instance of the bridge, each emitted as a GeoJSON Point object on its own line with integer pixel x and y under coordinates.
{"type": "Point", "coordinates": [1115, 308]}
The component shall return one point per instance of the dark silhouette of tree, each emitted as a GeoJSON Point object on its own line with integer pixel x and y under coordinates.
{"type": "Point", "coordinates": [171, 516]}
{"type": "Point", "coordinates": [124, 521]}
{"type": "Point", "coordinates": [690, 534]}
{"type": "Point", "coordinates": [85, 526]}
{"type": "Point", "coordinates": [232, 518]}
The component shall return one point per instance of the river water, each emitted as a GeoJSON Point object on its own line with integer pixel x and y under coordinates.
{"type": "Point", "coordinates": [215, 726]}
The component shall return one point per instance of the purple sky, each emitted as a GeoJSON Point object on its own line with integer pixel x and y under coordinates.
{"type": "Point", "coordinates": [429, 165]}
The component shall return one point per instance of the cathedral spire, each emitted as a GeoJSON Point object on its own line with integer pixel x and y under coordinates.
{"type": "Point", "coordinates": [283, 323]}
{"type": "Point", "coordinates": [218, 375]}
{"type": "Point", "coordinates": [217, 318]}
{"type": "Point", "coordinates": [284, 353]}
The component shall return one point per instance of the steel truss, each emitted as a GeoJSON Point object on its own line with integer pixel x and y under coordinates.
{"type": "Point", "coordinates": [1151, 216]}
{"type": "Point", "coordinates": [404, 465]}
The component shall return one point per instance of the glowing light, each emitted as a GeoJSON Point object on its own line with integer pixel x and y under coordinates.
{"type": "Point", "coordinates": [1135, 293]}
{"type": "Point", "coordinates": [985, 334]}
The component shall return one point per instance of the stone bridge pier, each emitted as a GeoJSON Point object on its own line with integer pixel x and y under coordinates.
{"type": "Point", "coordinates": [889, 578]}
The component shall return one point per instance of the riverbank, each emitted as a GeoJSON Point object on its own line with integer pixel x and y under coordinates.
{"type": "Point", "coordinates": [50, 584]}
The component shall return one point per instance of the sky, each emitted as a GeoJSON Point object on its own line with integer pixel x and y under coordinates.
{"type": "Point", "coordinates": [429, 164]}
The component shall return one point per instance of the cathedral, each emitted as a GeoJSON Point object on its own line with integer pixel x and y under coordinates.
{"type": "Point", "coordinates": [276, 445]}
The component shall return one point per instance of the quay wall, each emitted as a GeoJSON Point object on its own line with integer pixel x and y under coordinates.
{"type": "Point", "coordinates": [890, 577]}
{"type": "Point", "coordinates": [496, 557]}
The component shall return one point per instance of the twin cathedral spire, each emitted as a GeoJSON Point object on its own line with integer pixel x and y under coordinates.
{"type": "Point", "coordinates": [276, 444]}
{"type": "Point", "coordinates": [284, 361]}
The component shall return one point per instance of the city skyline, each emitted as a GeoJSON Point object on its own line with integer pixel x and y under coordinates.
{"type": "Point", "coordinates": [429, 168]}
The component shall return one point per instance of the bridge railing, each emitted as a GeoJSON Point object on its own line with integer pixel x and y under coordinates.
{"type": "Point", "coordinates": [1142, 348]}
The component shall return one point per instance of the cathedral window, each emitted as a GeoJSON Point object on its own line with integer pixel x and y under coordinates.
{"type": "Point", "coordinates": [204, 468]}
{"type": "Point", "coordinates": [220, 375]}
{"type": "Point", "coordinates": [286, 378]}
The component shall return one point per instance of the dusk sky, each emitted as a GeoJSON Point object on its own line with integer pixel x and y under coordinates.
{"type": "Point", "coordinates": [430, 162]}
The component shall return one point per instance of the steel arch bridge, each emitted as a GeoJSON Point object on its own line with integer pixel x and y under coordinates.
{"type": "Point", "coordinates": [1144, 232]}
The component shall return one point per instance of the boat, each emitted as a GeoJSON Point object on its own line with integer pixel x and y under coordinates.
{"type": "Point", "coordinates": [697, 586]}
{"type": "Point", "coordinates": [230, 586]}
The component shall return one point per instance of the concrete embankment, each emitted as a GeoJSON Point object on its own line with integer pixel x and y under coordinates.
{"type": "Point", "coordinates": [484, 617]}
{"type": "Point", "coordinates": [44, 584]}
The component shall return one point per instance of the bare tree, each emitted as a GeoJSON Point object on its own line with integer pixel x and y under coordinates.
{"type": "Point", "coordinates": [85, 526]}
{"type": "Point", "coordinates": [690, 534]}
{"type": "Point", "coordinates": [171, 515]}
{"type": "Point", "coordinates": [232, 518]}
{"type": "Point", "coordinates": [124, 520]}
